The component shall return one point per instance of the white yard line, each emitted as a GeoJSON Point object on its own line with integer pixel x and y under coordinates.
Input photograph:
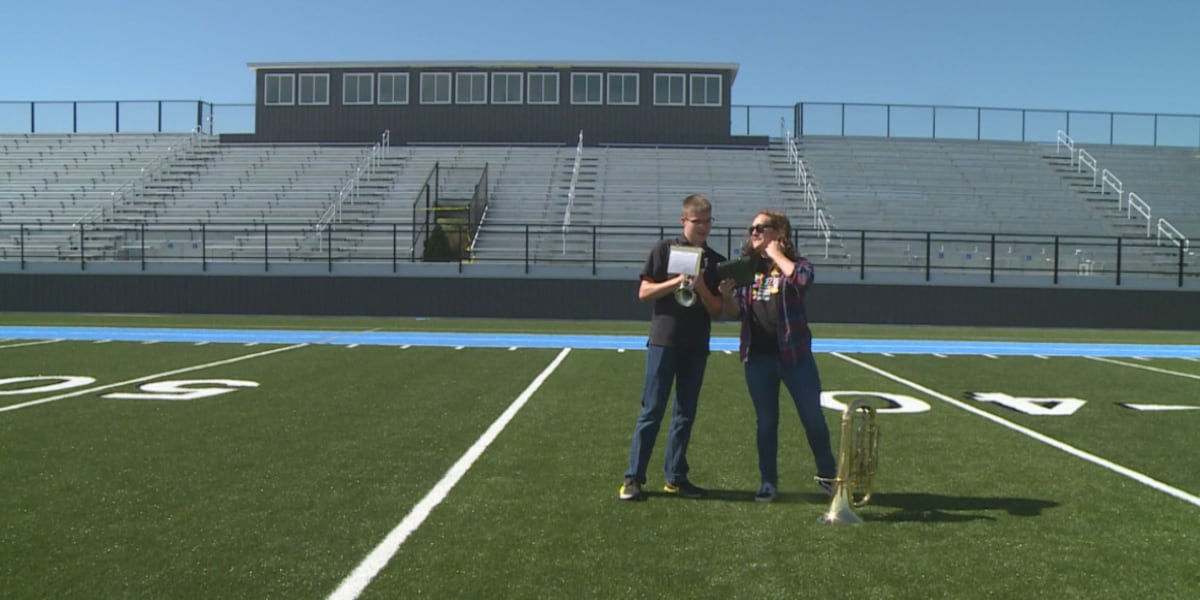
{"type": "Point", "coordinates": [1143, 367]}
{"type": "Point", "coordinates": [354, 584]}
{"type": "Point", "coordinates": [22, 345]}
{"type": "Point", "coordinates": [1045, 439]}
{"type": "Point", "coordinates": [148, 378]}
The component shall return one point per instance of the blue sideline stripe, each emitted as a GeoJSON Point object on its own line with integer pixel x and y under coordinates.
{"type": "Point", "coordinates": [601, 342]}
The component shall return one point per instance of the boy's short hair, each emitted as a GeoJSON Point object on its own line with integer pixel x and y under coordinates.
{"type": "Point", "coordinates": [696, 204]}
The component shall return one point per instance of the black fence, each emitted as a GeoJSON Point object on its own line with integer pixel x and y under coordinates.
{"type": "Point", "coordinates": [862, 254]}
{"type": "Point", "coordinates": [967, 123]}
{"type": "Point", "coordinates": [799, 119]}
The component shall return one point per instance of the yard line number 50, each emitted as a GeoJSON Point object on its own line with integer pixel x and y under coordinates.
{"type": "Point", "coordinates": [175, 390]}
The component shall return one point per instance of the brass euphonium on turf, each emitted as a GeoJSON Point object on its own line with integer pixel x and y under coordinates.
{"type": "Point", "coordinates": [858, 458]}
{"type": "Point", "coordinates": [685, 295]}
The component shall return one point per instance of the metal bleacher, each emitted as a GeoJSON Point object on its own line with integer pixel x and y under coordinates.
{"type": "Point", "coordinates": [171, 196]}
{"type": "Point", "coordinates": [49, 182]}
{"type": "Point", "coordinates": [954, 186]}
{"type": "Point", "coordinates": [624, 199]}
{"type": "Point", "coordinates": [1166, 179]}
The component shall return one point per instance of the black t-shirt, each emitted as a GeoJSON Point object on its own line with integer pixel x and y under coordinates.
{"type": "Point", "coordinates": [764, 314]}
{"type": "Point", "coordinates": [685, 328]}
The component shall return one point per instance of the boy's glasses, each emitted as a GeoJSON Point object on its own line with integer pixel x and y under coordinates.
{"type": "Point", "coordinates": [759, 228]}
{"type": "Point", "coordinates": [708, 221]}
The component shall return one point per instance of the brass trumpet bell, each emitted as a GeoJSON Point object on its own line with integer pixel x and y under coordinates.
{"type": "Point", "coordinates": [685, 295]}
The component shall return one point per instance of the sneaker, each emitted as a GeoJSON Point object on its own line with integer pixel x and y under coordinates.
{"type": "Point", "coordinates": [766, 493]}
{"type": "Point", "coordinates": [826, 484]}
{"type": "Point", "coordinates": [684, 489]}
{"type": "Point", "coordinates": [630, 490]}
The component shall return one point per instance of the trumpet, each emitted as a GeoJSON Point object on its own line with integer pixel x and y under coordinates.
{"type": "Point", "coordinates": [858, 459]}
{"type": "Point", "coordinates": [685, 294]}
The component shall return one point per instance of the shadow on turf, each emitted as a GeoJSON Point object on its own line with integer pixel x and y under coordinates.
{"type": "Point", "coordinates": [929, 508]}
{"type": "Point", "coordinates": [940, 508]}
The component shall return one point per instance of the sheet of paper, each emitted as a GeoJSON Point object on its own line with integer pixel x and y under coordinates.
{"type": "Point", "coordinates": [685, 260]}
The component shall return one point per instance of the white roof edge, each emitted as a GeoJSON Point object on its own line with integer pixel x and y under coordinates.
{"type": "Point", "coordinates": [523, 64]}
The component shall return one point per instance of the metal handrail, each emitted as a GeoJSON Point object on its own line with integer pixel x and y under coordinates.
{"type": "Point", "coordinates": [366, 165]}
{"type": "Point", "coordinates": [566, 224]}
{"type": "Point", "coordinates": [133, 186]}
{"type": "Point", "coordinates": [1089, 162]}
{"type": "Point", "coordinates": [1108, 180]}
{"type": "Point", "coordinates": [1062, 139]}
{"type": "Point", "coordinates": [1165, 229]}
{"type": "Point", "coordinates": [1136, 202]}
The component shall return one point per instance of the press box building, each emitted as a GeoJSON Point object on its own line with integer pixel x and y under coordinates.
{"type": "Point", "coordinates": [513, 102]}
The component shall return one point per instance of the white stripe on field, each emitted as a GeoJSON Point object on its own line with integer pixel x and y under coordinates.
{"type": "Point", "coordinates": [37, 343]}
{"type": "Point", "coordinates": [356, 582]}
{"type": "Point", "coordinates": [1143, 367]}
{"type": "Point", "coordinates": [148, 378]}
{"type": "Point", "coordinates": [1045, 439]}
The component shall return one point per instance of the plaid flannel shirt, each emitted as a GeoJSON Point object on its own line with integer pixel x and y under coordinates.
{"type": "Point", "coordinates": [795, 338]}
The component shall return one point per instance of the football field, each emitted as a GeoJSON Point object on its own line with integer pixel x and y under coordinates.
{"type": "Point", "coordinates": [222, 457]}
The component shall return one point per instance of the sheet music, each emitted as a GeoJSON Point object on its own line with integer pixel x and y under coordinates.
{"type": "Point", "coordinates": [685, 260]}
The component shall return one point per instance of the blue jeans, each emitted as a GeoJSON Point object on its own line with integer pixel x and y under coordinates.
{"type": "Point", "coordinates": [666, 365]}
{"type": "Point", "coordinates": [763, 375]}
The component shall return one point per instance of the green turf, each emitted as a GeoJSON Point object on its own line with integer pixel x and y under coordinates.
{"type": "Point", "coordinates": [282, 489]}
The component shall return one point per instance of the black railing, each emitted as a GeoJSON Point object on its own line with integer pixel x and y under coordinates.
{"type": "Point", "coordinates": [967, 122]}
{"type": "Point", "coordinates": [125, 116]}
{"type": "Point", "coordinates": [992, 257]}
{"type": "Point", "coordinates": [801, 118]}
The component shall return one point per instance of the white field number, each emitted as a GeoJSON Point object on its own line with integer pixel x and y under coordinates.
{"type": "Point", "coordinates": [178, 390]}
{"type": "Point", "coordinates": [1042, 407]}
{"type": "Point", "coordinates": [196, 389]}
{"type": "Point", "coordinates": [896, 403]}
{"type": "Point", "coordinates": [56, 383]}
{"type": "Point", "coordinates": [188, 389]}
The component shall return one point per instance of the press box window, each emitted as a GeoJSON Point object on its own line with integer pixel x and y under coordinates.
{"type": "Point", "coordinates": [279, 90]}
{"type": "Point", "coordinates": [393, 88]}
{"type": "Point", "coordinates": [543, 88]}
{"type": "Point", "coordinates": [314, 88]}
{"type": "Point", "coordinates": [435, 88]}
{"type": "Point", "coordinates": [471, 88]}
{"type": "Point", "coordinates": [622, 88]}
{"type": "Point", "coordinates": [506, 88]}
{"type": "Point", "coordinates": [585, 88]}
{"type": "Point", "coordinates": [706, 90]}
{"type": "Point", "coordinates": [357, 88]}
{"type": "Point", "coordinates": [668, 89]}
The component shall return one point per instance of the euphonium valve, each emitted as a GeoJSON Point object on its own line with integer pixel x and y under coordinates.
{"type": "Point", "coordinates": [685, 295]}
{"type": "Point", "coordinates": [858, 459]}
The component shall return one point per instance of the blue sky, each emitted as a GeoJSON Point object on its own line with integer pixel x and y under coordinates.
{"type": "Point", "coordinates": [1105, 55]}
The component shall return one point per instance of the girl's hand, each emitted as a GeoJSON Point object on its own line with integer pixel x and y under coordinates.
{"type": "Point", "coordinates": [726, 287]}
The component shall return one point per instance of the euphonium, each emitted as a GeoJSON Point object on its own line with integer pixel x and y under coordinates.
{"type": "Point", "coordinates": [858, 458]}
{"type": "Point", "coordinates": [685, 295]}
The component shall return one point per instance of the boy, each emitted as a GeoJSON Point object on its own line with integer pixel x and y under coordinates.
{"type": "Point", "coordinates": [676, 353]}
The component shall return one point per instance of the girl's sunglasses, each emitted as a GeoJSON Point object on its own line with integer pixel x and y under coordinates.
{"type": "Point", "coordinates": [758, 228]}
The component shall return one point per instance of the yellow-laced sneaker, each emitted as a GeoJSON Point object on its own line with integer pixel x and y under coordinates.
{"type": "Point", "coordinates": [684, 489]}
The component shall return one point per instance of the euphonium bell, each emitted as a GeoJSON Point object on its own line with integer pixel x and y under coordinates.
{"type": "Point", "coordinates": [858, 459]}
{"type": "Point", "coordinates": [685, 295]}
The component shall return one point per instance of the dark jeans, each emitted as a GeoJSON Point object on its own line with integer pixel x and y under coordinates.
{"type": "Point", "coordinates": [763, 375]}
{"type": "Point", "coordinates": [666, 365]}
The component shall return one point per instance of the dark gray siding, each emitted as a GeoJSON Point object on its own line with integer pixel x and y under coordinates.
{"type": "Point", "coordinates": [583, 299]}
